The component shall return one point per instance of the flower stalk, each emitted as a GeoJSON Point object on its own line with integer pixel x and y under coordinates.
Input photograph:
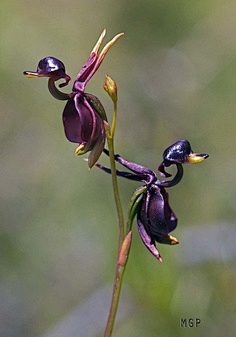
{"type": "Point", "coordinates": [124, 241]}
{"type": "Point", "coordinates": [120, 270]}
{"type": "Point", "coordinates": [110, 143]}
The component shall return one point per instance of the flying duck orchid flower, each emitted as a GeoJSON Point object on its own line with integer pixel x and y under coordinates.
{"type": "Point", "coordinates": [83, 115]}
{"type": "Point", "coordinates": [150, 202]}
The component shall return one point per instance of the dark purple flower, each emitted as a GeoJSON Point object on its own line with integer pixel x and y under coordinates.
{"type": "Point", "coordinates": [155, 217]}
{"type": "Point", "coordinates": [83, 115]}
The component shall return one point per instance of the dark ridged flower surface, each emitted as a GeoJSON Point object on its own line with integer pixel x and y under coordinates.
{"type": "Point", "coordinates": [156, 213]}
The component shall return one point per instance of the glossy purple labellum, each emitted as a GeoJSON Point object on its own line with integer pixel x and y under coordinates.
{"type": "Point", "coordinates": [179, 153]}
{"type": "Point", "coordinates": [50, 64]}
{"type": "Point", "coordinates": [50, 67]}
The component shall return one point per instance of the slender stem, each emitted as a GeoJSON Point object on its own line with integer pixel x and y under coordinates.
{"type": "Point", "coordinates": [116, 191]}
{"type": "Point", "coordinates": [110, 141]}
{"type": "Point", "coordinates": [115, 299]}
{"type": "Point", "coordinates": [120, 269]}
{"type": "Point", "coordinates": [113, 126]}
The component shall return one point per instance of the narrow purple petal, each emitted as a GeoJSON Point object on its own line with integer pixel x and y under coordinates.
{"type": "Point", "coordinates": [140, 170]}
{"type": "Point", "coordinates": [83, 76]}
{"type": "Point", "coordinates": [147, 240]}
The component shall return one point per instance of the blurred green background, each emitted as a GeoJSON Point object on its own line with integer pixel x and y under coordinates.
{"type": "Point", "coordinates": [176, 74]}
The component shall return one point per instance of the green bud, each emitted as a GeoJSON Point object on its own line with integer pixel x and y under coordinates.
{"type": "Point", "coordinates": [111, 88]}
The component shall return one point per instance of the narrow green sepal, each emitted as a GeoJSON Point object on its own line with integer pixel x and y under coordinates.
{"type": "Point", "coordinates": [96, 152]}
{"type": "Point", "coordinates": [96, 105]}
{"type": "Point", "coordinates": [134, 205]}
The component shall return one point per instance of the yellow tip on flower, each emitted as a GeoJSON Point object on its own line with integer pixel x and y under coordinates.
{"type": "Point", "coordinates": [168, 240]}
{"type": "Point", "coordinates": [195, 158]}
{"type": "Point", "coordinates": [30, 74]}
{"type": "Point", "coordinates": [99, 42]}
{"type": "Point", "coordinates": [173, 240]}
{"type": "Point", "coordinates": [79, 149]}
{"type": "Point", "coordinates": [109, 45]}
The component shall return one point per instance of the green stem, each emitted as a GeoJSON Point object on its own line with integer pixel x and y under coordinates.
{"type": "Point", "coordinates": [115, 299]}
{"type": "Point", "coordinates": [113, 126]}
{"type": "Point", "coordinates": [116, 191]}
{"type": "Point", "coordinates": [110, 141]}
{"type": "Point", "coordinates": [120, 269]}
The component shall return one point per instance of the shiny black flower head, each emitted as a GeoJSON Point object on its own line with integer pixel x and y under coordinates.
{"type": "Point", "coordinates": [50, 67]}
{"type": "Point", "coordinates": [179, 153]}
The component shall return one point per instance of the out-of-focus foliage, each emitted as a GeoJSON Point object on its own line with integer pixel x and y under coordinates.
{"type": "Point", "coordinates": [176, 74]}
